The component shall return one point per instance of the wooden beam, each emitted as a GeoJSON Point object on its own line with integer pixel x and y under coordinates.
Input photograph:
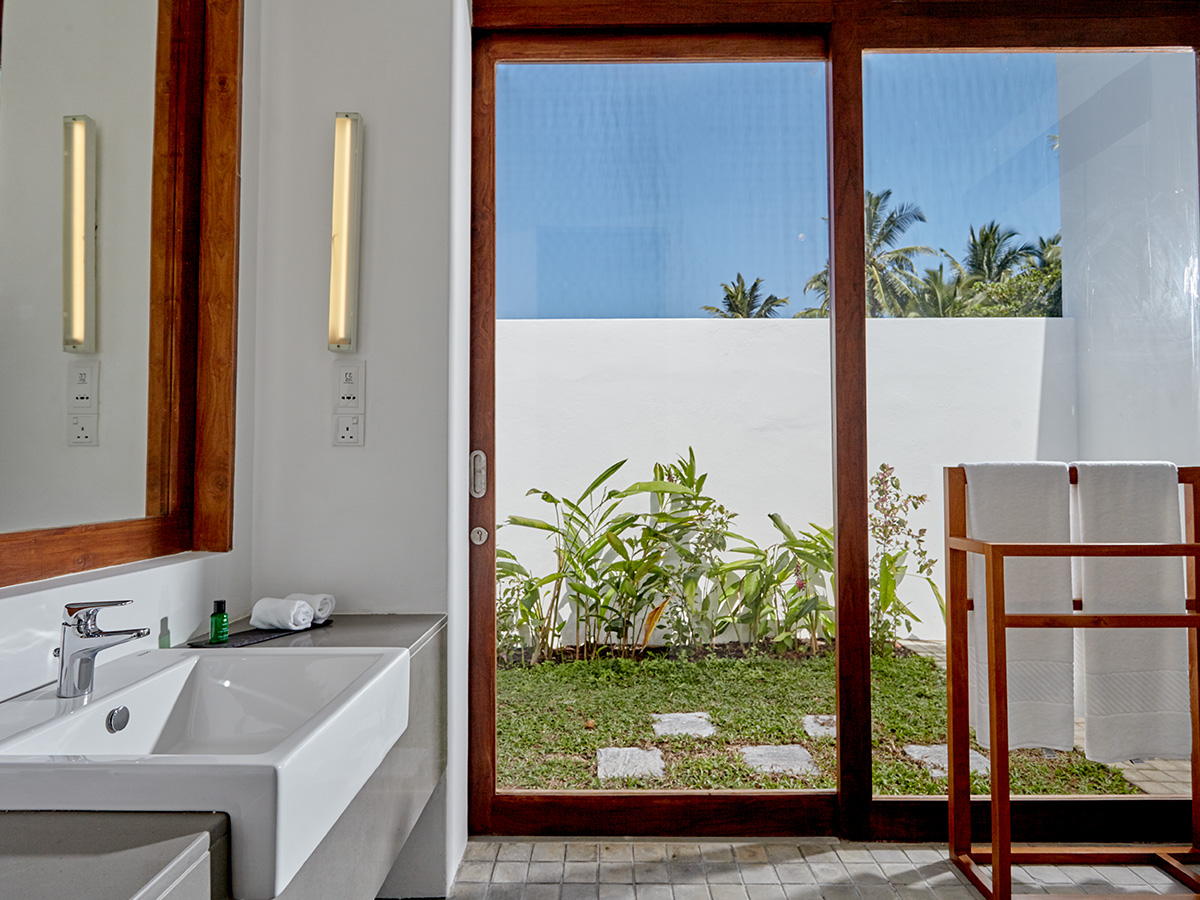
{"type": "Point", "coordinates": [848, 353]}
{"type": "Point", "coordinates": [694, 813]}
{"type": "Point", "coordinates": [481, 675]}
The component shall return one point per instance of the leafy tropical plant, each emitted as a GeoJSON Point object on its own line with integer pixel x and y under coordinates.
{"type": "Point", "coordinates": [741, 302]}
{"type": "Point", "coordinates": [678, 568]}
{"type": "Point", "coordinates": [780, 590]}
{"type": "Point", "coordinates": [696, 528]}
{"type": "Point", "coordinates": [518, 607]}
{"type": "Point", "coordinates": [604, 578]}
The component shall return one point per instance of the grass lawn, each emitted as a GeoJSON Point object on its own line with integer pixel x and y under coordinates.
{"type": "Point", "coordinates": [544, 740]}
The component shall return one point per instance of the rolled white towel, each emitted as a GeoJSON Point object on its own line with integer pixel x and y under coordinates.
{"type": "Point", "coordinates": [271, 612]}
{"type": "Point", "coordinates": [322, 605]}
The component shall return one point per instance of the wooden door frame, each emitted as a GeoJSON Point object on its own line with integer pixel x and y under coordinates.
{"type": "Point", "coordinates": [577, 30]}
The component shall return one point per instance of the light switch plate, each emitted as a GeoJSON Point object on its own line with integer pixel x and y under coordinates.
{"type": "Point", "coordinates": [83, 386]}
{"type": "Point", "coordinates": [349, 390]}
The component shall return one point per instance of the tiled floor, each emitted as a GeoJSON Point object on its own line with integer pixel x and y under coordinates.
{"type": "Point", "coordinates": [808, 869]}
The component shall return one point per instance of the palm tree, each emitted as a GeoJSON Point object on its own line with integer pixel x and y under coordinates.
{"type": "Point", "coordinates": [890, 274]}
{"type": "Point", "coordinates": [741, 302]}
{"type": "Point", "coordinates": [1048, 252]}
{"type": "Point", "coordinates": [939, 297]}
{"type": "Point", "coordinates": [992, 254]}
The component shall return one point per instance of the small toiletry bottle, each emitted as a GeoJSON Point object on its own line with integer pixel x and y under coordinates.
{"type": "Point", "coordinates": [218, 624]}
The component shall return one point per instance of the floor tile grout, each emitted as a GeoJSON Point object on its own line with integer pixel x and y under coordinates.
{"type": "Point", "coordinates": [753, 869]}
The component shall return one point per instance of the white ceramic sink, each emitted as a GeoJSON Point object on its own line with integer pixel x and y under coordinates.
{"type": "Point", "coordinates": [280, 739]}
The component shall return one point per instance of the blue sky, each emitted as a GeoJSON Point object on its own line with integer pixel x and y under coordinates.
{"type": "Point", "coordinates": [636, 190]}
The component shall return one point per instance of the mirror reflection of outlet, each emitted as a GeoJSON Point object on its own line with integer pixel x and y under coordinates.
{"type": "Point", "coordinates": [348, 431]}
{"type": "Point", "coordinates": [83, 431]}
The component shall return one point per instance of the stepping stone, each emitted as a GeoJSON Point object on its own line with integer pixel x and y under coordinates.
{"type": "Point", "coordinates": [629, 762]}
{"type": "Point", "coordinates": [696, 723]}
{"type": "Point", "coordinates": [937, 759]}
{"type": "Point", "coordinates": [789, 759]}
{"type": "Point", "coordinates": [820, 726]}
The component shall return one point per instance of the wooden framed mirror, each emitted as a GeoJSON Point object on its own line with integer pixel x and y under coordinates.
{"type": "Point", "coordinates": [193, 259]}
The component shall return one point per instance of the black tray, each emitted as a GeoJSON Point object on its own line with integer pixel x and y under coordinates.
{"type": "Point", "coordinates": [256, 636]}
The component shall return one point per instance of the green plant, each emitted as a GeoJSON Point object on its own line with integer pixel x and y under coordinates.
{"type": "Point", "coordinates": [695, 529]}
{"type": "Point", "coordinates": [780, 590]}
{"type": "Point", "coordinates": [895, 543]}
{"type": "Point", "coordinates": [518, 606]}
{"type": "Point", "coordinates": [809, 607]}
{"type": "Point", "coordinates": [604, 579]}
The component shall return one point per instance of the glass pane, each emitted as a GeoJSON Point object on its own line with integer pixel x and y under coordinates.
{"type": "Point", "coordinates": [656, 228]}
{"type": "Point", "coordinates": [1032, 226]}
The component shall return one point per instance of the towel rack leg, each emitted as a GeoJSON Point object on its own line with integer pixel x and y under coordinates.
{"type": "Point", "coordinates": [998, 707]}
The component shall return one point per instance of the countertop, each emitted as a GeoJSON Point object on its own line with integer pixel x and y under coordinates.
{"type": "Point", "coordinates": [361, 630]}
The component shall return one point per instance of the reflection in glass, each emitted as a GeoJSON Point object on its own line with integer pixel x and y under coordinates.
{"type": "Point", "coordinates": [1045, 303]}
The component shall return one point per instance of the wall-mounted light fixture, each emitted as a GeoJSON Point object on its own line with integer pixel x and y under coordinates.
{"type": "Point", "coordinates": [343, 266]}
{"type": "Point", "coordinates": [79, 234]}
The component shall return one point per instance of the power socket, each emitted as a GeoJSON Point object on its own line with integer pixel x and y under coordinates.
{"type": "Point", "coordinates": [83, 431]}
{"type": "Point", "coordinates": [348, 430]}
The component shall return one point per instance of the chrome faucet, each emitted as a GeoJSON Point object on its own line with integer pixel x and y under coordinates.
{"type": "Point", "coordinates": [81, 641]}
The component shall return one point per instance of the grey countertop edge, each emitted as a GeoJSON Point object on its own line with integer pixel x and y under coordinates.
{"type": "Point", "coordinates": [187, 859]}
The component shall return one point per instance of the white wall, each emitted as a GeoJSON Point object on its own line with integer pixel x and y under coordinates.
{"type": "Point", "coordinates": [753, 399]}
{"type": "Point", "coordinates": [64, 58]}
{"type": "Point", "coordinates": [382, 526]}
{"type": "Point", "coordinates": [1131, 241]}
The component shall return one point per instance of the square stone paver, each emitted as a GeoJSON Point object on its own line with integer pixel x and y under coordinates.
{"type": "Point", "coordinates": [696, 724]}
{"type": "Point", "coordinates": [790, 759]}
{"type": "Point", "coordinates": [936, 759]}
{"type": "Point", "coordinates": [629, 762]}
{"type": "Point", "coordinates": [820, 726]}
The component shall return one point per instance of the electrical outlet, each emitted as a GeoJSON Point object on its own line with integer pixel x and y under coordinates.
{"type": "Point", "coordinates": [348, 389]}
{"type": "Point", "coordinates": [83, 431]}
{"type": "Point", "coordinates": [83, 386]}
{"type": "Point", "coordinates": [348, 431]}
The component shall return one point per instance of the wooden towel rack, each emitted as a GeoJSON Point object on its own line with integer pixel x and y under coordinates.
{"type": "Point", "coordinates": [1000, 854]}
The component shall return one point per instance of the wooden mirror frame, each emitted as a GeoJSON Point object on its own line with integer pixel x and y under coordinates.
{"type": "Point", "coordinates": [193, 311]}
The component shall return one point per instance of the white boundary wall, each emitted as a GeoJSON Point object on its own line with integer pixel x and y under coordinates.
{"type": "Point", "coordinates": [753, 399]}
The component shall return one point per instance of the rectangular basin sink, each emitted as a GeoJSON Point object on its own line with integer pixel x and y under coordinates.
{"type": "Point", "coordinates": [280, 739]}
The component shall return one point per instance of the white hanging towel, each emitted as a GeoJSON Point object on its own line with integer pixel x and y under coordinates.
{"type": "Point", "coordinates": [1133, 688]}
{"type": "Point", "coordinates": [1023, 502]}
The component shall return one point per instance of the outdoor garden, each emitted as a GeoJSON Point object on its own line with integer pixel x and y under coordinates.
{"type": "Point", "coordinates": [658, 606]}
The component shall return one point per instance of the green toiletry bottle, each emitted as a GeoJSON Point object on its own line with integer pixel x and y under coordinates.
{"type": "Point", "coordinates": [218, 624]}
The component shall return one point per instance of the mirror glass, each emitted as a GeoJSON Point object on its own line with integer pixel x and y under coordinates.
{"type": "Point", "coordinates": [65, 58]}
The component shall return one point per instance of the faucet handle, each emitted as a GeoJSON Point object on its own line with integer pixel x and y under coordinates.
{"type": "Point", "coordinates": [74, 609]}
